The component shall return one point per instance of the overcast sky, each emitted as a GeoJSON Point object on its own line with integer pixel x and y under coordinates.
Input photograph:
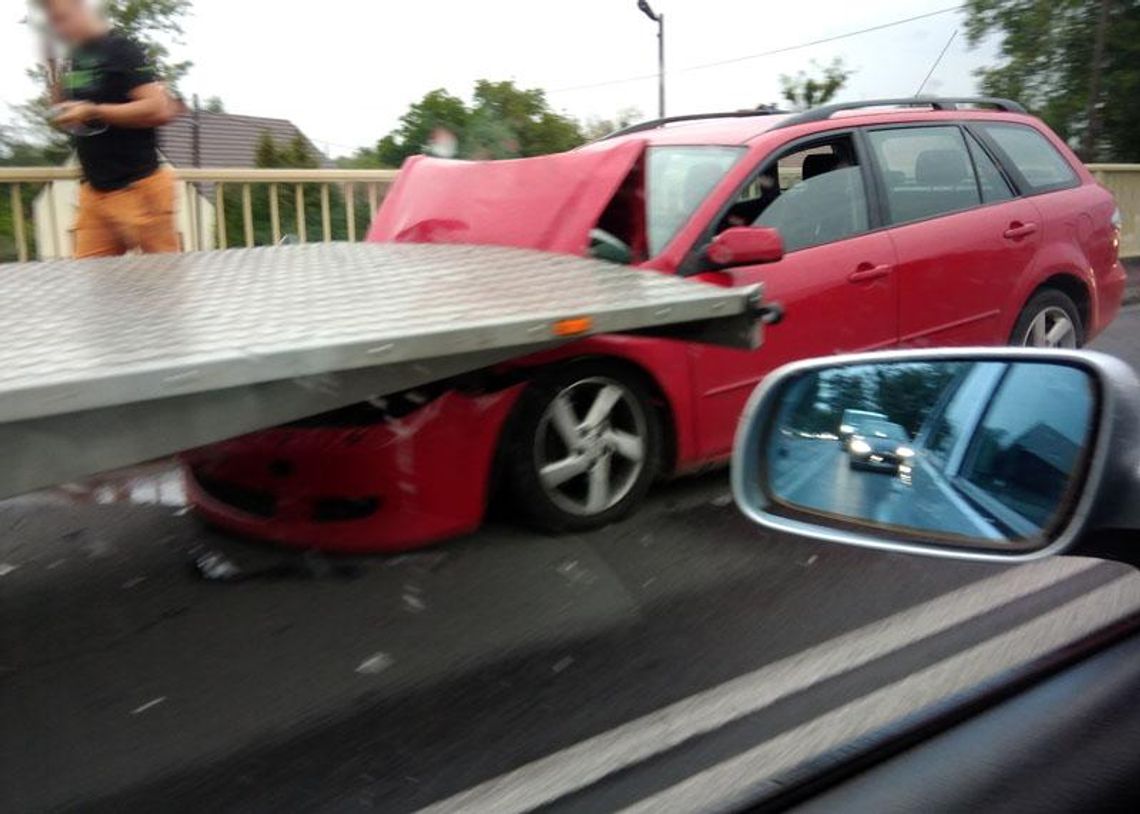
{"type": "Point", "coordinates": [344, 70]}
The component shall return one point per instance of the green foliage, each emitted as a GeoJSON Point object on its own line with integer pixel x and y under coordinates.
{"type": "Point", "coordinates": [595, 129]}
{"type": "Point", "coordinates": [296, 154]}
{"type": "Point", "coordinates": [153, 24]}
{"type": "Point", "coordinates": [1047, 47]}
{"type": "Point", "coordinates": [804, 91]}
{"type": "Point", "coordinates": [503, 121]}
{"type": "Point", "coordinates": [215, 105]}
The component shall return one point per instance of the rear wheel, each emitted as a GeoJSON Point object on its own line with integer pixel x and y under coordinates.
{"type": "Point", "coordinates": [584, 447]}
{"type": "Point", "coordinates": [1049, 320]}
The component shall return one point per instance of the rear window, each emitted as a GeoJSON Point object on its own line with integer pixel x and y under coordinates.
{"type": "Point", "coordinates": [1036, 160]}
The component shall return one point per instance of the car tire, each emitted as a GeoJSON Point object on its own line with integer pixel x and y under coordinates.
{"type": "Point", "coordinates": [1049, 320]}
{"type": "Point", "coordinates": [577, 470]}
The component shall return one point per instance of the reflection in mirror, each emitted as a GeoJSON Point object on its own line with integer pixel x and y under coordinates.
{"type": "Point", "coordinates": [973, 452]}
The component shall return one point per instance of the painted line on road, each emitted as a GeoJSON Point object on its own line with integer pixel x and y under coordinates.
{"type": "Point", "coordinates": [586, 762]}
{"type": "Point", "coordinates": [743, 776]}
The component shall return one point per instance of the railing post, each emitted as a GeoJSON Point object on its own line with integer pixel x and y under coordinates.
{"type": "Point", "coordinates": [53, 219]}
{"type": "Point", "coordinates": [372, 203]}
{"type": "Point", "coordinates": [274, 213]}
{"type": "Point", "coordinates": [326, 215]}
{"type": "Point", "coordinates": [192, 216]}
{"type": "Point", "coordinates": [18, 223]}
{"type": "Point", "coordinates": [247, 215]}
{"type": "Point", "coordinates": [220, 213]}
{"type": "Point", "coordinates": [350, 210]}
{"type": "Point", "coordinates": [299, 192]}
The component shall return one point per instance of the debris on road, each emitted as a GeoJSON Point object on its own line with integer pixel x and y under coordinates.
{"type": "Point", "coordinates": [154, 702]}
{"type": "Point", "coordinates": [216, 566]}
{"type": "Point", "coordinates": [375, 664]}
{"type": "Point", "coordinates": [7, 568]}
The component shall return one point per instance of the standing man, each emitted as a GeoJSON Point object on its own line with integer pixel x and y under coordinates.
{"type": "Point", "coordinates": [111, 101]}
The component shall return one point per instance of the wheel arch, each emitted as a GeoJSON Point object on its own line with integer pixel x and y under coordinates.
{"type": "Point", "coordinates": [1071, 285]}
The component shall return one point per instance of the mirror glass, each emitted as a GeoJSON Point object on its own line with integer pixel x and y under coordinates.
{"type": "Point", "coordinates": [970, 452]}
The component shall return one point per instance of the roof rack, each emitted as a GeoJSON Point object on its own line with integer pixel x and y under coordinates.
{"type": "Point", "coordinates": [653, 124]}
{"type": "Point", "coordinates": [818, 114]}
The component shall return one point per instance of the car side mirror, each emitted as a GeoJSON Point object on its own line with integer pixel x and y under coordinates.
{"type": "Point", "coordinates": [982, 454]}
{"type": "Point", "coordinates": [744, 246]}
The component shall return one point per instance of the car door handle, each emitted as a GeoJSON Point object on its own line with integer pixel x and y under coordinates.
{"type": "Point", "coordinates": [1017, 230]}
{"type": "Point", "coordinates": [866, 272]}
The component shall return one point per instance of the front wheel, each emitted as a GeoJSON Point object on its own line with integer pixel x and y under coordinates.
{"type": "Point", "coordinates": [1049, 320]}
{"type": "Point", "coordinates": [584, 446]}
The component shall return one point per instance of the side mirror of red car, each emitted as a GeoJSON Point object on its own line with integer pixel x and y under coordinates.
{"type": "Point", "coordinates": [746, 245]}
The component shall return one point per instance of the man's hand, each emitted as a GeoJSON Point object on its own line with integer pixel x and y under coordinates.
{"type": "Point", "coordinates": [73, 114]}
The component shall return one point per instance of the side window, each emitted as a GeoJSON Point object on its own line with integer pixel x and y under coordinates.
{"type": "Point", "coordinates": [1038, 161]}
{"type": "Point", "coordinates": [992, 183]}
{"type": "Point", "coordinates": [926, 171]}
{"type": "Point", "coordinates": [1025, 459]}
{"type": "Point", "coordinates": [812, 195]}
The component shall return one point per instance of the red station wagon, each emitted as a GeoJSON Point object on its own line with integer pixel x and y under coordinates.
{"type": "Point", "coordinates": [874, 224]}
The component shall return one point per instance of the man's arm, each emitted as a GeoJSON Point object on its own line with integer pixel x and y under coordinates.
{"type": "Point", "coordinates": [150, 106]}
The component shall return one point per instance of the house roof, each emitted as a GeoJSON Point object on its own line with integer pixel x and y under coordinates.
{"type": "Point", "coordinates": [227, 140]}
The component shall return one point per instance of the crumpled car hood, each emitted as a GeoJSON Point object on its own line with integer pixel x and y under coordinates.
{"type": "Point", "coordinates": [549, 202]}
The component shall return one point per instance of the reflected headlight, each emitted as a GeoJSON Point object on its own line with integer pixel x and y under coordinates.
{"type": "Point", "coordinates": [847, 428]}
{"type": "Point", "coordinates": [860, 446]}
{"type": "Point", "coordinates": [904, 452]}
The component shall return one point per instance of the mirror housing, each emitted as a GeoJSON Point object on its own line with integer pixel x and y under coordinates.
{"type": "Point", "coordinates": [745, 246]}
{"type": "Point", "coordinates": [1098, 514]}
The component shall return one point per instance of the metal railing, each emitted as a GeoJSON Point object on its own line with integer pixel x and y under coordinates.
{"type": "Point", "coordinates": [217, 208]}
{"type": "Point", "coordinates": [220, 207]}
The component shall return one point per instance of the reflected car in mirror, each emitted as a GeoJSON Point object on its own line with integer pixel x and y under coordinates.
{"type": "Point", "coordinates": [974, 453]}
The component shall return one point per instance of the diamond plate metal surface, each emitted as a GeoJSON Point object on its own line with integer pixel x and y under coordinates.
{"type": "Point", "coordinates": [76, 335]}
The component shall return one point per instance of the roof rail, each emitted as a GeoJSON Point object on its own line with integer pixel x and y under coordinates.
{"type": "Point", "coordinates": [653, 124]}
{"type": "Point", "coordinates": [818, 114]}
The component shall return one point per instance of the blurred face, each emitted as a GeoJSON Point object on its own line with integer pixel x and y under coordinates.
{"type": "Point", "coordinates": [72, 21]}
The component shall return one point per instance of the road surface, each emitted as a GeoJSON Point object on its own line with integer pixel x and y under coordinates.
{"type": "Point", "coordinates": [501, 672]}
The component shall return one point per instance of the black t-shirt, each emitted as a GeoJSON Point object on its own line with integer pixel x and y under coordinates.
{"type": "Point", "coordinates": [105, 71]}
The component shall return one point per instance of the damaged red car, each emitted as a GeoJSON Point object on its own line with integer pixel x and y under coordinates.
{"type": "Point", "coordinates": [874, 225]}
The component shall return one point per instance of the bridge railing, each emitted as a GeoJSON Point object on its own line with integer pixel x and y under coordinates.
{"type": "Point", "coordinates": [216, 208]}
{"type": "Point", "coordinates": [219, 208]}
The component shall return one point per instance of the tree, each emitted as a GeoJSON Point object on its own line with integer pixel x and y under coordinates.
{"type": "Point", "coordinates": [803, 91]}
{"type": "Point", "coordinates": [438, 108]}
{"type": "Point", "coordinates": [1075, 63]}
{"type": "Point", "coordinates": [595, 129]}
{"type": "Point", "coordinates": [503, 121]}
{"type": "Point", "coordinates": [215, 105]}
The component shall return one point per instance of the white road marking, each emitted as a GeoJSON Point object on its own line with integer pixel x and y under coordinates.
{"type": "Point", "coordinates": [588, 761]}
{"type": "Point", "coordinates": [1046, 633]}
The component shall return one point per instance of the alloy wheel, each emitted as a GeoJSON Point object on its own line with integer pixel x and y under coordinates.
{"type": "Point", "coordinates": [590, 447]}
{"type": "Point", "coordinates": [1051, 328]}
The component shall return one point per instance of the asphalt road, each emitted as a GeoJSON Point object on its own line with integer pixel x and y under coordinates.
{"type": "Point", "coordinates": [505, 671]}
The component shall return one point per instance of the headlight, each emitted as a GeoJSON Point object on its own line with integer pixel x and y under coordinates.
{"type": "Point", "coordinates": [904, 452]}
{"type": "Point", "coordinates": [860, 446]}
{"type": "Point", "coordinates": [846, 428]}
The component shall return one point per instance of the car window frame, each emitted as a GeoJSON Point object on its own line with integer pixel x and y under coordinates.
{"type": "Point", "coordinates": [880, 177]}
{"type": "Point", "coordinates": [694, 260]}
{"type": "Point", "coordinates": [1021, 184]}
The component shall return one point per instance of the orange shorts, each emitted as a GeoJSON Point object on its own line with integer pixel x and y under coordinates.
{"type": "Point", "coordinates": [140, 216]}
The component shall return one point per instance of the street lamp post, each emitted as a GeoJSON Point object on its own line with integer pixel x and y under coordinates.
{"type": "Point", "coordinates": [660, 20]}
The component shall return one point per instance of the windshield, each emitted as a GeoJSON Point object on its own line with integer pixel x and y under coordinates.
{"type": "Point", "coordinates": [678, 181]}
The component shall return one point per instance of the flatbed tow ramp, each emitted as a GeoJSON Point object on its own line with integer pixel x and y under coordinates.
{"type": "Point", "coordinates": [107, 363]}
